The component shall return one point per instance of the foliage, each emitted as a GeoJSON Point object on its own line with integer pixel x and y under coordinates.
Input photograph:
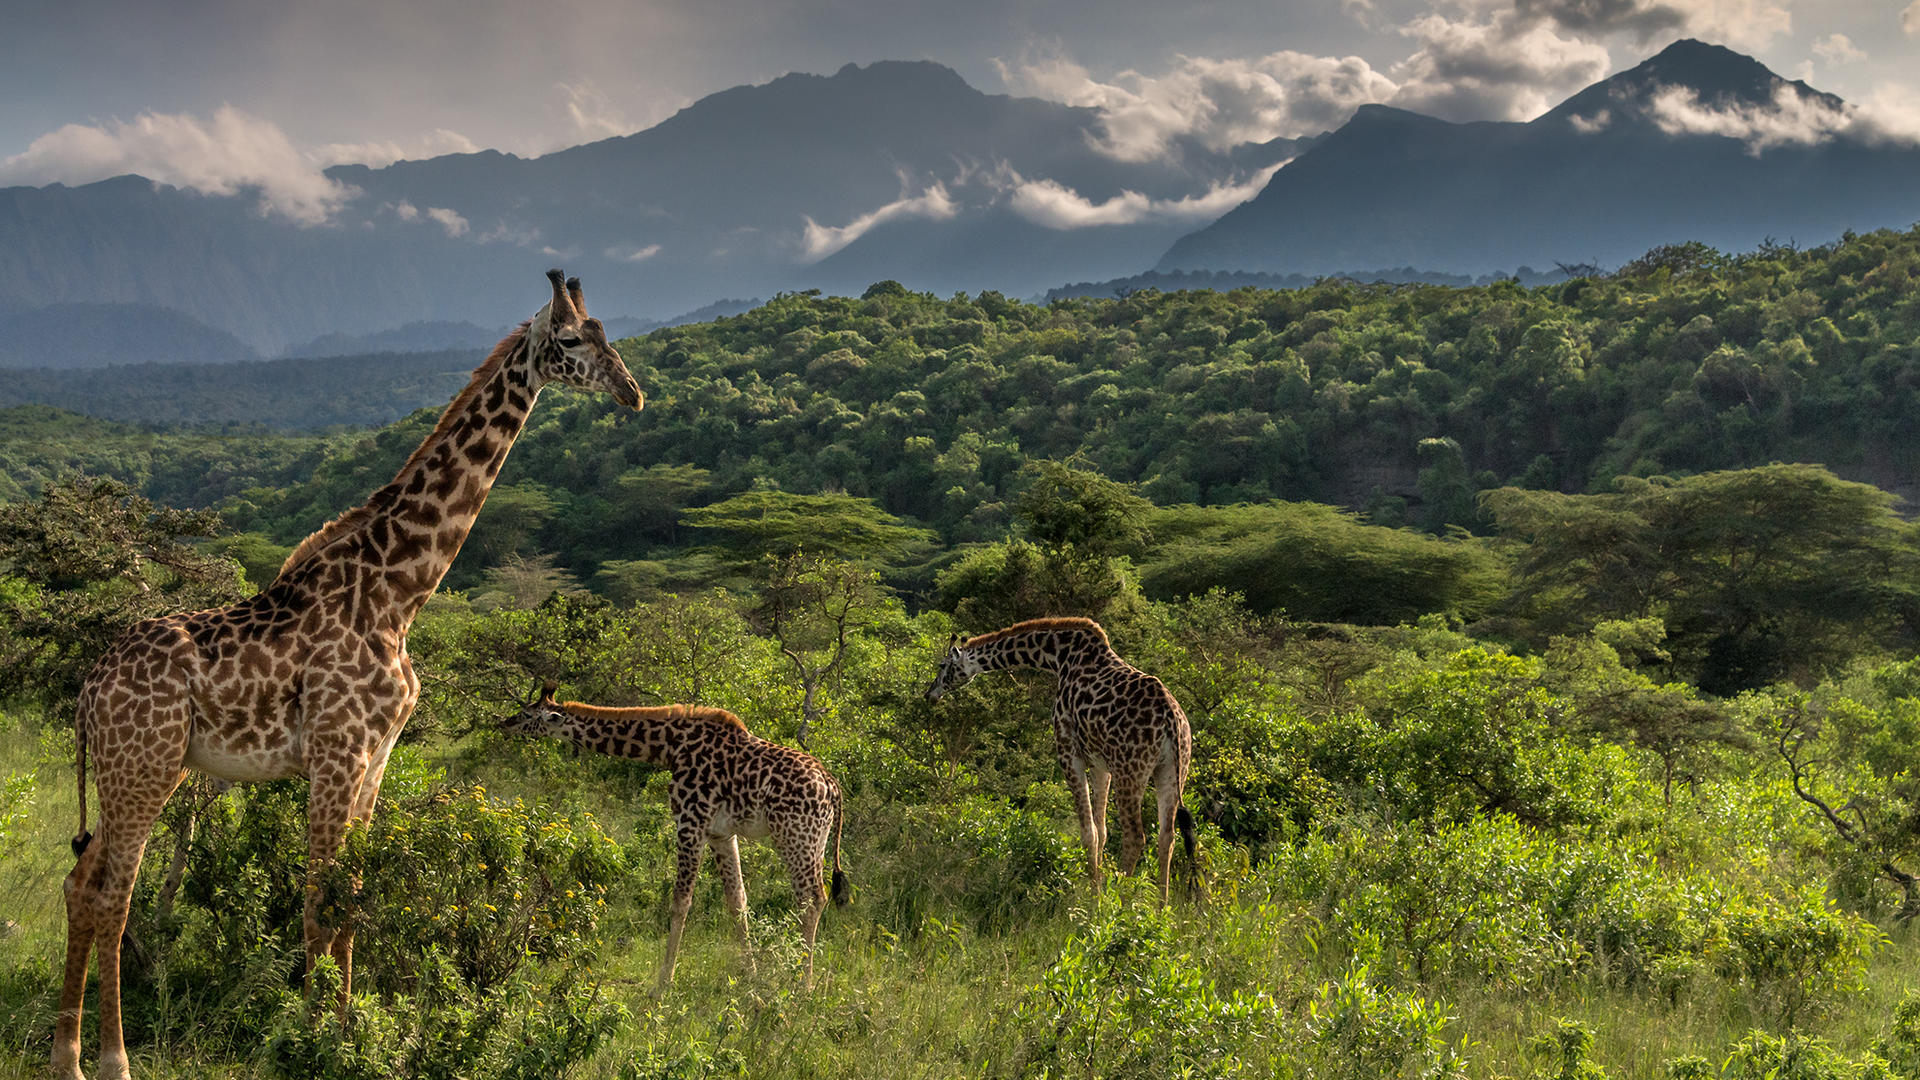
{"type": "Point", "coordinates": [1120, 1001]}
{"type": "Point", "coordinates": [82, 564]}
{"type": "Point", "coordinates": [1757, 574]}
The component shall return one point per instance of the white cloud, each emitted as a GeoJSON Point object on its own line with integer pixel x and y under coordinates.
{"type": "Point", "coordinates": [820, 241]}
{"type": "Point", "coordinates": [632, 254]}
{"type": "Point", "coordinates": [405, 211]}
{"type": "Point", "coordinates": [1837, 49]}
{"type": "Point", "coordinates": [1513, 66]}
{"type": "Point", "coordinates": [1217, 103]}
{"type": "Point", "coordinates": [1910, 19]}
{"type": "Point", "coordinates": [380, 154]}
{"type": "Point", "coordinates": [1056, 206]}
{"type": "Point", "coordinates": [1790, 120]}
{"type": "Point", "coordinates": [592, 115]}
{"type": "Point", "coordinates": [1592, 125]}
{"type": "Point", "coordinates": [1743, 24]}
{"type": "Point", "coordinates": [448, 220]}
{"type": "Point", "coordinates": [227, 154]}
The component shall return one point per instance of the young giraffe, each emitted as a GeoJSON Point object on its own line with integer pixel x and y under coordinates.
{"type": "Point", "coordinates": [727, 783]}
{"type": "Point", "coordinates": [310, 677]}
{"type": "Point", "coordinates": [1112, 724]}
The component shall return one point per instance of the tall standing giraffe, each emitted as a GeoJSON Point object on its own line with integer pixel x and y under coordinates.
{"type": "Point", "coordinates": [1112, 724]}
{"type": "Point", "coordinates": [727, 783]}
{"type": "Point", "coordinates": [310, 676]}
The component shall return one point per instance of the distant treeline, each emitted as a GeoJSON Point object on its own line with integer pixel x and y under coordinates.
{"type": "Point", "coordinates": [302, 394]}
{"type": "Point", "coordinates": [1224, 280]}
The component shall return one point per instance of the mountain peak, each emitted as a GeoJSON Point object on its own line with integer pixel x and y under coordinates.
{"type": "Point", "coordinates": [1716, 75]}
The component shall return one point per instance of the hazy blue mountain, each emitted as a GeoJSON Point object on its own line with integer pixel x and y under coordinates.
{"type": "Point", "coordinates": [1598, 179]}
{"type": "Point", "coordinates": [96, 335]}
{"type": "Point", "coordinates": [750, 191]}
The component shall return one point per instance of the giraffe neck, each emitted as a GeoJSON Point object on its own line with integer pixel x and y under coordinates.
{"type": "Point", "coordinates": [414, 526]}
{"type": "Point", "coordinates": [655, 735]}
{"type": "Point", "coordinates": [1060, 651]}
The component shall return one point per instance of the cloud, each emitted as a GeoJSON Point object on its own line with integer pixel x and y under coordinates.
{"type": "Point", "coordinates": [1910, 19]}
{"type": "Point", "coordinates": [1056, 206]}
{"type": "Point", "coordinates": [1513, 66]}
{"type": "Point", "coordinates": [1837, 49]}
{"type": "Point", "coordinates": [448, 220]}
{"type": "Point", "coordinates": [1216, 103]}
{"type": "Point", "coordinates": [1792, 119]}
{"type": "Point", "coordinates": [591, 115]}
{"type": "Point", "coordinates": [820, 241]}
{"type": "Point", "coordinates": [227, 154]}
{"type": "Point", "coordinates": [405, 211]}
{"type": "Point", "coordinates": [1600, 18]}
{"type": "Point", "coordinates": [632, 254]}
{"type": "Point", "coordinates": [380, 154]}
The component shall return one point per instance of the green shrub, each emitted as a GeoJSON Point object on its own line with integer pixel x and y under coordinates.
{"type": "Point", "coordinates": [1120, 1001]}
{"type": "Point", "coordinates": [1794, 1056]}
{"type": "Point", "coordinates": [997, 865]}
{"type": "Point", "coordinates": [1359, 1030]}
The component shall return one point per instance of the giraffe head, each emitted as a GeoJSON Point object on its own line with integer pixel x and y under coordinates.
{"type": "Point", "coordinates": [541, 715]}
{"type": "Point", "coordinates": [956, 667]}
{"type": "Point", "coordinates": [569, 348]}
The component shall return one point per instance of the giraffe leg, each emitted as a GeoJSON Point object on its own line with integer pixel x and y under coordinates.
{"type": "Point", "coordinates": [688, 869]}
{"type": "Point", "coordinates": [81, 888]}
{"type": "Point", "coordinates": [733, 886]}
{"type": "Point", "coordinates": [123, 841]}
{"type": "Point", "coordinates": [1133, 834]}
{"type": "Point", "coordinates": [805, 857]}
{"type": "Point", "coordinates": [333, 792]}
{"type": "Point", "coordinates": [1097, 786]}
{"type": "Point", "coordinates": [1083, 806]}
{"type": "Point", "coordinates": [1166, 792]}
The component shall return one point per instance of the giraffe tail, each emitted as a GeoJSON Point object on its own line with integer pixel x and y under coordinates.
{"type": "Point", "coordinates": [1185, 821]}
{"type": "Point", "coordinates": [82, 838]}
{"type": "Point", "coordinates": [842, 891]}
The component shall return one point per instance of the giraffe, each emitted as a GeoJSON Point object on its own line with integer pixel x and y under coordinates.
{"type": "Point", "coordinates": [1112, 725]}
{"type": "Point", "coordinates": [308, 677]}
{"type": "Point", "coordinates": [727, 783]}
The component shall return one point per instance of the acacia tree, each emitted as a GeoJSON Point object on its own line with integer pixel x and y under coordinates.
{"type": "Point", "coordinates": [810, 605]}
{"type": "Point", "coordinates": [85, 561]}
{"type": "Point", "coordinates": [1783, 571]}
{"type": "Point", "coordinates": [1850, 763]}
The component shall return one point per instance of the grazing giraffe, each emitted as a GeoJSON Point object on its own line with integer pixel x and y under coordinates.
{"type": "Point", "coordinates": [1112, 724]}
{"type": "Point", "coordinates": [727, 783]}
{"type": "Point", "coordinates": [310, 676]}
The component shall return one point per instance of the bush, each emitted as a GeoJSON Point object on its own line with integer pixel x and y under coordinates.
{"type": "Point", "coordinates": [1120, 1001]}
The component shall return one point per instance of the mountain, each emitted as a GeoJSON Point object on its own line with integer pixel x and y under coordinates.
{"type": "Point", "coordinates": [1697, 143]}
{"type": "Point", "coordinates": [808, 180]}
{"type": "Point", "coordinates": [95, 335]}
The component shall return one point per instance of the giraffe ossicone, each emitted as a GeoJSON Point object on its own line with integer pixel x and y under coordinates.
{"type": "Point", "coordinates": [308, 677]}
{"type": "Point", "coordinates": [726, 783]}
{"type": "Point", "coordinates": [1113, 725]}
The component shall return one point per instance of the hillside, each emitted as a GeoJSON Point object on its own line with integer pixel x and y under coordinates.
{"type": "Point", "coordinates": [1626, 164]}
{"type": "Point", "coordinates": [745, 192]}
{"type": "Point", "coordinates": [1399, 400]}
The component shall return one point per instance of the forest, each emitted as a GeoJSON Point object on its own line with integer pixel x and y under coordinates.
{"type": "Point", "coordinates": [1552, 656]}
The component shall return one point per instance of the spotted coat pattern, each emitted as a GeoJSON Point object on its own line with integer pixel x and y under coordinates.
{"type": "Point", "coordinates": [726, 783]}
{"type": "Point", "coordinates": [309, 677]}
{"type": "Point", "coordinates": [1113, 726]}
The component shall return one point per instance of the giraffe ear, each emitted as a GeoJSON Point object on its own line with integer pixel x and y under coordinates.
{"type": "Point", "coordinates": [562, 307]}
{"type": "Point", "coordinates": [547, 688]}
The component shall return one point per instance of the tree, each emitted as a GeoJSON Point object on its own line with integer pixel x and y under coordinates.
{"type": "Point", "coordinates": [837, 525]}
{"type": "Point", "coordinates": [810, 605]}
{"type": "Point", "coordinates": [87, 560]}
{"type": "Point", "coordinates": [1783, 571]}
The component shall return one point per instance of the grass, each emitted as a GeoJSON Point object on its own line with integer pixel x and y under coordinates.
{"type": "Point", "coordinates": [905, 991]}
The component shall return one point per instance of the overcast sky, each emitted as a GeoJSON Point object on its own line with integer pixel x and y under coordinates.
{"type": "Point", "coordinates": [200, 92]}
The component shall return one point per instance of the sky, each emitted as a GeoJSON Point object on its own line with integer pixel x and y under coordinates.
{"type": "Point", "coordinates": [223, 94]}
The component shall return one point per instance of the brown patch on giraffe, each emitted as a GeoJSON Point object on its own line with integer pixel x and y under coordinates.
{"type": "Point", "coordinates": [510, 347]}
